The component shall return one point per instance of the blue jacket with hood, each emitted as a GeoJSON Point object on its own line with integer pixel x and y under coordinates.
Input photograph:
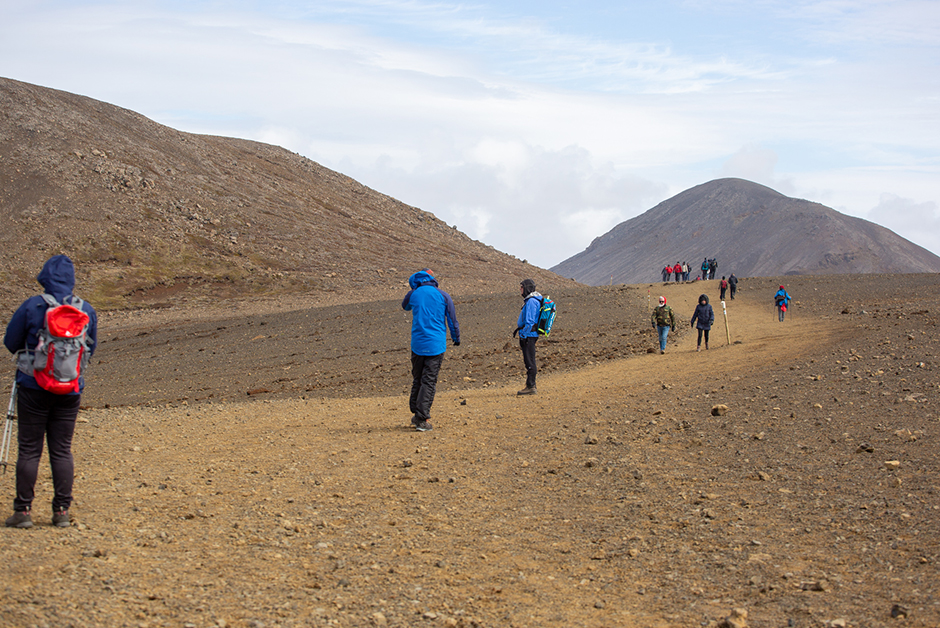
{"type": "Point", "coordinates": [529, 316]}
{"type": "Point", "coordinates": [431, 310]}
{"type": "Point", "coordinates": [57, 279]}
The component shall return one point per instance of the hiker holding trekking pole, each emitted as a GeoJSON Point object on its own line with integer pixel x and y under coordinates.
{"type": "Point", "coordinates": [53, 336]}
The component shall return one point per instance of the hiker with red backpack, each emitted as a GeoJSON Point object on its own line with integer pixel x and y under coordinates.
{"type": "Point", "coordinates": [53, 336]}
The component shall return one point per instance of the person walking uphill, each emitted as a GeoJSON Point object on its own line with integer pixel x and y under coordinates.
{"type": "Point", "coordinates": [705, 316]}
{"type": "Point", "coordinates": [46, 415]}
{"type": "Point", "coordinates": [432, 312]}
{"type": "Point", "coordinates": [663, 320]}
{"type": "Point", "coordinates": [782, 301]}
{"type": "Point", "coordinates": [733, 284]}
{"type": "Point", "coordinates": [527, 328]}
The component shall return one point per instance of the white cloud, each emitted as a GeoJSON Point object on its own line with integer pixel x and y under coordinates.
{"type": "Point", "coordinates": [526, 131]}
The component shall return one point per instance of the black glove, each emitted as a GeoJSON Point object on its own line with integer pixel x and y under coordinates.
{"type": "Point", "coordinates": [514, 332]}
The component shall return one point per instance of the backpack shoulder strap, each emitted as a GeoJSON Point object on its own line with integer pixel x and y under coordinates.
{"type": "Point", "coordinates": [50, 300]}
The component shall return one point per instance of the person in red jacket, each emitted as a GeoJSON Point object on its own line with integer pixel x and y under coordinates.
{"type": "Point", "coordinates": [677, 271]}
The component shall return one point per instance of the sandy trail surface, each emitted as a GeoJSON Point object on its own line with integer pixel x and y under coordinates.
{"type": "Point", "coordinates": [647, 490]}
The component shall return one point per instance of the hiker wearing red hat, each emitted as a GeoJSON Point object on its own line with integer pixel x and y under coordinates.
{"type": "Point", "coordinates": [663, 320]}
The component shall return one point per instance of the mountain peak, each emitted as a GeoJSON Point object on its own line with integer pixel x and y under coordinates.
{"type": "Point", "coordinates": [752, 230]}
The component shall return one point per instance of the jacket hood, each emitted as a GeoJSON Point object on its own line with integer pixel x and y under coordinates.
{"type": "Point", "coordinates": [57, 277]}
{"type": "Point", "coordinates": [528, 287]}
{"type": "Point", "coordinates": [421, 278]}
{"type": "Point", "coordinates": [703, 296]}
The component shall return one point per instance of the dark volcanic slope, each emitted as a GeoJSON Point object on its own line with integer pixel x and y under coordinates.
{"type": "Point", "coordinates": [154, 215]}
{"type": "Point", "coordinates": [752, 230]}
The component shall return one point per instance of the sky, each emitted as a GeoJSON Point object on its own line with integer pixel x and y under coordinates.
{"type": "Point", "coordinates": [533, 126]}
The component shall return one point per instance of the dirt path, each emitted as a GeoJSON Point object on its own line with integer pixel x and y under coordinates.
{"type": "Point", "coordinates": [612, 498]}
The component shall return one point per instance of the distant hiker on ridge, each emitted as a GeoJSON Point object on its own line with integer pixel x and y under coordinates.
{"type": "Point", "coordinates": [733, 284]}
{"type": "Point", "coordinates": [782, 301]}
{"type": "Point", "coordinates": [677, 271]}
{"type": "Point", "coordinates": [722, 287]}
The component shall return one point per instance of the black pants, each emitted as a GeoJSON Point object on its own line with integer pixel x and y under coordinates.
{"type": "Point", "coordinates": [702, 332]}
{"type": "Point", "coordinates": [721, 297]}
{"type": "Point", "coordinates": [734, 289]}
{"type": "Point", "coordinates": [424, 370]}
{"type": "Point", "coordinates": [44, 415]}
{"type": "Point", "coordinates": [528, 357]}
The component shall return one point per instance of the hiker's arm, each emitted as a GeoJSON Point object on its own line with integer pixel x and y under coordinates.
{"type": "Point", "coordinates": [450, 314]}
{"type": "Point", "coordinates": [92, 329]}
{"type": "Point", "coordinates": [15, 337]}
{"type": "Point", "coordinates": [406, 302]}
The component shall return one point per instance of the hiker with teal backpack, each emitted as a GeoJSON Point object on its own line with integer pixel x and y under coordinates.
{"type": "Point", "coordinates": [527, 328]}
{"type": "Point", "coordinates": [53, 336]}
{"type": "Point", "coordinates": [782, 302]}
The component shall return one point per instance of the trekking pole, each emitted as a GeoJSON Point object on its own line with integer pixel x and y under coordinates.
{"type": "Point", "coordinates": [724, 310]}
{"type": "Point", "coordinates": [8, 428]}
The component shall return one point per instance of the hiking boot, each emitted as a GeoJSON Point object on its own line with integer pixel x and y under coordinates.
{"type": "Point", "coordinates": [415, 420]}
{"type": "Point", "coordinates": [527, 391]}
{"type": "Point", "coordinates": [662, 351]}
{"type": "Point", "coordinates": [60, 518]}
{"type": "Point", "coordinates": [698, 348]}
{"type": "Point", "coordinates": [21, 519]}
{"type": "Point", "coordinates": [423, 426]}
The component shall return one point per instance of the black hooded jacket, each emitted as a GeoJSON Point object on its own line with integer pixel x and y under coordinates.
{"type": "Point", "coordinates": [704, 314]}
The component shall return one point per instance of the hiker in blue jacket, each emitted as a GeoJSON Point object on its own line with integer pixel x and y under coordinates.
{"type": "Point", "coordinates": [44, 415]}
{"type": "Point", "coordinates": [432, 312]}
{"type": "Point", "coordinates": [782, 301]}
{"type": "Point", "coordinates": [527, 328]}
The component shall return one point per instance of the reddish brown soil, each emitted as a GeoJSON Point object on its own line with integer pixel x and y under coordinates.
{"type": "Point", "coordinates": [617, 496]}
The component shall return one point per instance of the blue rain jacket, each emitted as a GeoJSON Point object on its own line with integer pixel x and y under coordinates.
{"type": "Point", "coordinates": [432, 312]}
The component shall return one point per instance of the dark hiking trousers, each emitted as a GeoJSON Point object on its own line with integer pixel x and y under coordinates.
{"type": "Point", "coordinates": [424, 370]}
{"type": "Point", "coordinates": [528, 357]}
{"type": "Point", "coordinates": [43, 415]}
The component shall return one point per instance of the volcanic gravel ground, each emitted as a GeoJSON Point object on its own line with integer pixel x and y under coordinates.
{"type": "Point", "coordinates": [789, 478]}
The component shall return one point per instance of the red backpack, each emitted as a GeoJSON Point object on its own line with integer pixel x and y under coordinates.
{"type": "Point", "coordinates": [62, 352]}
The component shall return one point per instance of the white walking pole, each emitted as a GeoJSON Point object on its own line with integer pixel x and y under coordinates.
{"type": "Point", "coordinates": [724, 310]}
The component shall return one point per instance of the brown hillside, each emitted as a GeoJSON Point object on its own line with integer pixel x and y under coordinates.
{"type": "Point", "coordinates": [152, 215]}
{"type": "Point", "coordinates": [752, 230]}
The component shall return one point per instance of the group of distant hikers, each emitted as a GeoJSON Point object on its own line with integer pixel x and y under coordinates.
{"type": "Point", "coordinates": [54, 335]}
{"type": "Point", "coordinates": [681, 271]}
{"type": "Point", "coordinates": [664, 319]}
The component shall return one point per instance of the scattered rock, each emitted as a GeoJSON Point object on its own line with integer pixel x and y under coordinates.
{"type": "Point", "coordinates": [719, 410]}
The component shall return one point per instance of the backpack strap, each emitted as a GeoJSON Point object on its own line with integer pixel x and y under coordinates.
{"type": "Point", "coordinates": [50, 300]}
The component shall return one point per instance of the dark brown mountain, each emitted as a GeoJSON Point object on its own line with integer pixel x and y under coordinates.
{"type": "Point", "coordinates": [152, 215]}
{"type": "Point", "coordinates": [752, 230]}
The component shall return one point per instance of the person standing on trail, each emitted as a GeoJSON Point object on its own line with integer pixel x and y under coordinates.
{"type": "Point", "coordinates": [677, 271]}
{"type": "Point", "coordinates": [663, 320]}
{"type": "Point", "coordinates": [432, 312]}
{"type": "Point", "coordinates": [722, 287]}
{"type": "Point", "coordinates": [527, 328]}
{"type": "Point", "coordinates": [685, 271]}
{"type": "Point", "coordinates": [782, 301]}
{"type": "Point", "coordinates": [705, 316]}
{"type": "Point", "coordinates": [667, 271]}
{"type": "Point", "coordinates": [733, 284]}
{"type": "Point", "coordinates": [704, 269]}
{"type": "Point", "coordinates": [43, 414]}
